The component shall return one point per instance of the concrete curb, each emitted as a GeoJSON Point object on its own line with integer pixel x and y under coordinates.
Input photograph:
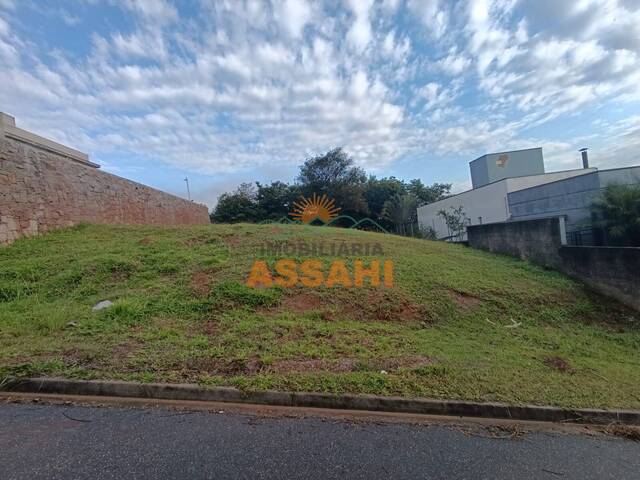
{"type": "Point", "coordinates": [166, 391]}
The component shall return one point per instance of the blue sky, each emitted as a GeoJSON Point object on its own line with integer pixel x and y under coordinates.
{"type": "Point", "coordinates": [233, 91]}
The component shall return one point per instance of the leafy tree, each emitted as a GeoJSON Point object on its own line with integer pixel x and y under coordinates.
{"type": "Point", "coordinates": [275, 201]}
{"type": "Point", "coordinates": [239, 206]}
{"type": "Point", "coordinates": [334, 167]}
{"type": "Point", "coordinates": [336, 175]}
{"type": "Point", "coordinates": [456, 221]}
{"type": "Point", "coordinates": [428, 194]}
{"type": "Point", "coordinates": [377, 191]}
{"type": "Point", "coordinates": [400, 210]}
{"type": "Point", "coordinates": [617, 212]}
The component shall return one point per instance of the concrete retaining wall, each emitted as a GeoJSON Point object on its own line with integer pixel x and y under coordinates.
{"type": "Point", "coordinates": [534, 240]}
{"type": "Point", "coordinates": [45, 185]}
{"type": "Point", "coordinates": [612, 271]}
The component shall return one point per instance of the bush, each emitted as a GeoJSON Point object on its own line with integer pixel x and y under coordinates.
{"type": "Point", "coordinates": [617, 212]}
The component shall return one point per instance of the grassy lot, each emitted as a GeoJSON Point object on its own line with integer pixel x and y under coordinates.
{"type": "Point", "coordinates": [457, 324]}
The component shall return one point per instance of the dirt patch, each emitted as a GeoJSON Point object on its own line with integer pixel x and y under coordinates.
{"type": "Point", "coordinates": [275, 230]}
{"type": "Point", "coordinates": [389, 306]}
{"type": "Point", "coordinates": [464, 300]}
{"type": "Point", "coordinates": [341, 365]}
{"type": "Point", "coordinates": [190, 242]}
{"type": "Point", "coordinates": [210, 328]}
{"type": "Point", "coordinates": [301, 303]}
{"type": "Point", "coordinates": [201, 284]}
{"type": "Point", "coordinates": [404, 363]}
{"type": "Point", "coordinates": [378, 305]}
{"type": "Point", "coordinates": [291, 334]}
{"type": "Point", "coordinates": [229, 368]}
{"type": "Point", "coordinates": [559, 364]}
{"type": "Point", "coordinates": [118, 355]}
{"type": "Point", "coordinates": [125, 351]}
{"type": "Point", "coordinates": [145, 241]}
{"type": "Point", "coordinates": [345, 364]}
{"type": "Point", "coordinates": [233, 240]}
{"type": "Point", "coordinates": [298, 302]}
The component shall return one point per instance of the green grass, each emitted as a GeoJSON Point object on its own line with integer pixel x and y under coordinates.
{"type": "Point", "coordinates": [183, 314]}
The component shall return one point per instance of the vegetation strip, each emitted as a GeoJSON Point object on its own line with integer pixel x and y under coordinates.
{"type": "Point", "coordinates": [164, 391]}
{"type": "Point", "coordinates": [457, 324]}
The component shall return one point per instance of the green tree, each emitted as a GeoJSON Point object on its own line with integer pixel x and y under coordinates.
{"type": "Point", "coordinates": [617, 212]}
{"type": "Point", "coordinates": [400, 210]}
{"type": "Point", "coordinates": [377, 191]}
{"type": "Point", "coordinates": [275, 201]}
{"type": "Point", "coordinates": [239, 206]}
{"type": "Point", "coordinates": [335, 174]}
{"type": "Point", "coordinates": [428, 194]}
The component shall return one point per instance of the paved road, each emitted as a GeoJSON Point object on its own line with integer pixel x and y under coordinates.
{"type": "Point", "coordinates": [73, 442]}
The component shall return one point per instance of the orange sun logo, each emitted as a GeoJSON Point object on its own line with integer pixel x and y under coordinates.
{"type": "Point", "coordinates": [308, 210]}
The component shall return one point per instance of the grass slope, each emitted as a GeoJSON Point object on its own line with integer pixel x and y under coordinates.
{"type": "Point", "coordinates": [183, 314]}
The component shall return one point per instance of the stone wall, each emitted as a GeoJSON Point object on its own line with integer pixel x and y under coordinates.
{"type": "Point", "coordinates": [612, 271]}
{"type": "Point", "coordinates": [44, 186]}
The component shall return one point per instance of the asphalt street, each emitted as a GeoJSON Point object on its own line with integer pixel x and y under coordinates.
{"type": "Point", "coordinates": [40, 441]}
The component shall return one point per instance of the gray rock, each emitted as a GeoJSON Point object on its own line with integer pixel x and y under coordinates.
{"type": "Point", "coordinates": [102, 305]}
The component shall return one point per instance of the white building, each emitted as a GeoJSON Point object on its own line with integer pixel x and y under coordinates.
{"type": "Point", "coordinates": [488, 202]}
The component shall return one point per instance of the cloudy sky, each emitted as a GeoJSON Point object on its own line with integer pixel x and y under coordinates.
{"type": "Point", "coordinates": [232, 91]}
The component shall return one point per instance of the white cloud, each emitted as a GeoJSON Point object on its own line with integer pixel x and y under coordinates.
{"type": "Point", "coordinates": [153, 10]}
{"type": "Point", "coordinates": [359, 85]}
{"type": "Point", "coordinates": [396, 49]}
{"type": "Point", "coordinates": [435, 95]}
{"type": "Point", "coordinates": [359, 34]}
{"type": "Point", "coordinates": [141, 45]}
{"type": "Point", "coordinates": [557, 58]}
{"type": "Point", "coordinates": [70, 19]}
{"type": "Point", "coordinates": [454, 63]}
{"type": "Point", "coordinates": [432, 15]}
{"type": "Point", "coordinates": [275, 54]}
{"type": "Point", "coordinates": [293, 15]}
{"type": "Point", "coordinates": [245, 84]}
{"type": "Point", "coordinates": [623, 146]}
{"type": "Point", "coordinates": [4, 28]}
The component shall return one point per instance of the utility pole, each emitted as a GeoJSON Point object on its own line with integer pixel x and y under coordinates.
{"type": "Point", "coordinates": [186, 180]}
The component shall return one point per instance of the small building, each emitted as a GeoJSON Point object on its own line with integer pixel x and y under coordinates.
{"type": "Point", "coordinates": [523, 191]}
{"type": "Point", "coordinates": [572, 199]}
{"type": "Point", "coordinates": [494, 176]}
{"type": "Point", "coordinates": [492, 167]}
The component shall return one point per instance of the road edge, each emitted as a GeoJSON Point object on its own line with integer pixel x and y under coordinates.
{"type": "Point", "coordinates": [456, 408]}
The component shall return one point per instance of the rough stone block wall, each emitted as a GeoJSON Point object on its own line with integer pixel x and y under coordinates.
{"type": "Point", "coordinates": [41, 190]}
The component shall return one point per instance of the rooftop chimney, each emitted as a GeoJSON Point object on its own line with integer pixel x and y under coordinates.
{"type": "Point", "coordinates": [585, 157]}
